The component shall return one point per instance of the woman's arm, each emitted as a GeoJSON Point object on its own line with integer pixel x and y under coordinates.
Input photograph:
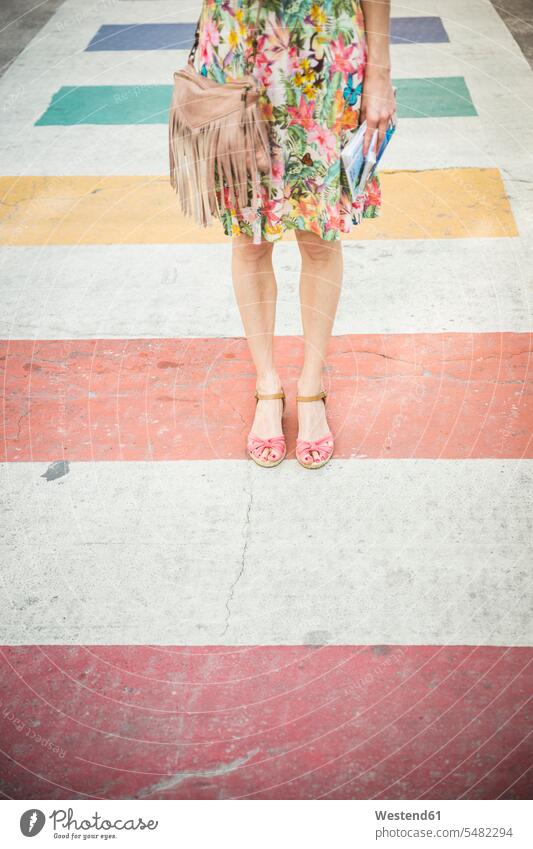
{"type": "Point", "coordinates": [377, 102]}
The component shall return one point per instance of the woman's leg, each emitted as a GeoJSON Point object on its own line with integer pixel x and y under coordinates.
{"type": "Point", "coordinates": [255, 288]}
{"type": "Point", "coordinates": [320, 286]}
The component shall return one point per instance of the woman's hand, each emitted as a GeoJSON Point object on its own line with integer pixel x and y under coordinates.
{"type": "Point", "coordinates": [378, 103]}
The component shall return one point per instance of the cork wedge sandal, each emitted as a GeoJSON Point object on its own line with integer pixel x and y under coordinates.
{"type": "Point", "coordinates": [255, 445]}
{"type": "Point", "coordinates": [323, 446]}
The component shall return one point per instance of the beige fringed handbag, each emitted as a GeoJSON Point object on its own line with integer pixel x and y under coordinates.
{"type": "Point", "coordinates": [216, 131]}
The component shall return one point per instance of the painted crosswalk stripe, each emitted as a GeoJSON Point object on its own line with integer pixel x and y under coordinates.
{"type": "Point", "coordinates": [293, 722]}
{"type": "Point", "coordinates": [177, 36]}
{"type": "Point", "coordinates": [114, 149]}
{"type": "Point", "coordinates": [148, 104]}
{"type": "Point", "coordinates": [152, 553]}
{"type": "Point", "coordinates": [448, 203]}
{"type": "Point", "coordinates": [160, 36]}
{"type": "Point", "coordinates": [129, 292]}
{"type": "Point", "coordinates": [420, 29]}
{"type": "Point", "coordinates": [407, 395]}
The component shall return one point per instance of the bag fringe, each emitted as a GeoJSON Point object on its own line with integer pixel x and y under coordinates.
{"type": "Point", "coordinates": [230, 148]}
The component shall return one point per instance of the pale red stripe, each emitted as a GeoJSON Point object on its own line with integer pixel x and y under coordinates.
{"type": "Point", "coordinates": [266, 722]}
{"type": "Point", "coordinates": [399, 395]}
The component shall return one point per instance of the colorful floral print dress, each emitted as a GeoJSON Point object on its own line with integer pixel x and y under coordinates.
{"type": "Point", "coordinates": [308, 59]}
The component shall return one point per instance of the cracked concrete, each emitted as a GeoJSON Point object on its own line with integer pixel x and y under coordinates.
{"type": "Point", "coordinates": [246, 534]}
{"type": "Point", "coordinates": [170, 565]}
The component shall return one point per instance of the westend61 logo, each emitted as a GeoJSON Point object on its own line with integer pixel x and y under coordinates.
{"type": "Point", "coordinates": [33, 820]}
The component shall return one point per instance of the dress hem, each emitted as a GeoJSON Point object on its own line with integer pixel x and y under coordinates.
{"type": "Point", "coordinates": [237, 230]}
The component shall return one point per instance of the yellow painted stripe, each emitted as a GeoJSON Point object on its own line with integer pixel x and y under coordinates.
{"type": "Point", "coordinates": [450, 203]}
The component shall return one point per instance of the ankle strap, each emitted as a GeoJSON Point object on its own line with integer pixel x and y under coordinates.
{"type": "Point", "coordinates": [321, 395]}
{"type": "Point", "coordinates": [270, 397]}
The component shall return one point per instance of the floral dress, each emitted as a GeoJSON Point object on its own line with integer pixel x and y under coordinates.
{"type": "Point", "coordinates": [308, 59]}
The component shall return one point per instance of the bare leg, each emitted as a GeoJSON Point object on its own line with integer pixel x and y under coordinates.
{"type": "Point", "coordinates": [255, 289]}
{"type": "Point", "coordinates": [320, 286]}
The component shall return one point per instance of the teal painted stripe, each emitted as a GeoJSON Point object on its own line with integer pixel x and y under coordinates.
{"type": "Point", "coordinates": [434, 97]}
{"type": "Point", "coordinates": [427, 97]}
{"type": "Point", "coordinates": [108, 104]}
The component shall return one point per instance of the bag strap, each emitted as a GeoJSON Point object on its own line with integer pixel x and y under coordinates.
{"type": "Point", "coordinates": [195, 43]}
{"type": "Point", "coordinates": [193, 49]}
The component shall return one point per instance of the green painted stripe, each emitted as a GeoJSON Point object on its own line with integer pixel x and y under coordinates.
{"type": "Point", "coordinates": [108, 104]}
{"type": "Point", "coordinates": [427, 97]}
{"type": "Point", "coordinates": [434, 97]}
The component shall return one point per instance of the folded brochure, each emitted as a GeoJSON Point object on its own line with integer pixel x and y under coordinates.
{"type": "Point", "coordinates": [360, 169]}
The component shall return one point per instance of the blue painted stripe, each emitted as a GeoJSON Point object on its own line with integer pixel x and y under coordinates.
{"type": "Point", "coordinates": [416, 30]}
{"type": "Point", "coordinates": [423, 30]}
{"type": "Point", "coordinates": [143, 37]}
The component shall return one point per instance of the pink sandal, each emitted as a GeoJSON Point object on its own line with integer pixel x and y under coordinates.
{"type": "Point", "coordinates": [324, 446]}
{"type": "Point", "coordinates": [255, 445]}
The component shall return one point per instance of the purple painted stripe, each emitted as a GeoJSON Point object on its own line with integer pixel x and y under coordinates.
{"type": "Point", "coordinates": [179, 36]}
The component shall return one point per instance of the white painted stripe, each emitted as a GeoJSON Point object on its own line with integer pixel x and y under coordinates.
{"type": "Point", "coordinates": [222, 552]}
{"type": "Point", "coordinates": [73, 65]}
{"type": "Point", "coordinates": [143, 149]}
{"type": "Point", "coordinates": [132, 291]}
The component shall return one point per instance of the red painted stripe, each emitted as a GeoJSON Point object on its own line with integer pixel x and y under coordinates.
{"type": "Point", "coordinates": [266, 722]}
{"type": "Point", "coordinates": [407, 395]}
